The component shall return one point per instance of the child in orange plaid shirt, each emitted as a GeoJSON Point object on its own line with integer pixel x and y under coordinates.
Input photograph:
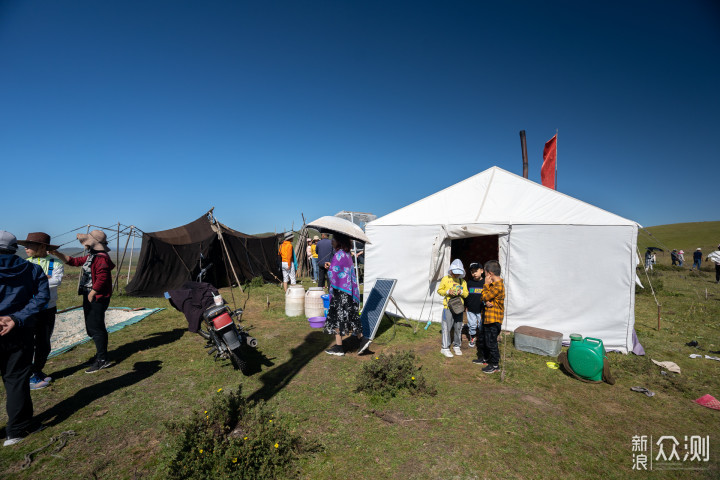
{"type": "Point", "coordinates": [494, 296]}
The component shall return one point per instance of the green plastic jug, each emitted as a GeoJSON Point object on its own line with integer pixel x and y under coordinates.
{"type": "Point", "coordinates": [586, 356]}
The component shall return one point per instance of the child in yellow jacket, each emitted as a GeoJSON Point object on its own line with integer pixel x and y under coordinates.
{"type": "Point", "coordinates": [452, 285]}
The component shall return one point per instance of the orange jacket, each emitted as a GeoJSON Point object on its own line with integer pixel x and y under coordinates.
{"type": "Point", "coordinates": [285, 252]}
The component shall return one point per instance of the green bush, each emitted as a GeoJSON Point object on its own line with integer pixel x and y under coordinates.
{"type": "Point", "coordinates": [387, 375]}
{"type": "Point", "coordinates": [233, 438]}
{"type": "Point", "coordinates": [657, 286]}
{"type": "Point", "coordinates": [256, 282]}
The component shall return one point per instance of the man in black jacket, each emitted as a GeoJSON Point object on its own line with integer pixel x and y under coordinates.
{"type": "Point", "coordinates": [24, 291]}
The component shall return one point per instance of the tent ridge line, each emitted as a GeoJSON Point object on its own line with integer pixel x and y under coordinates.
{"type": "Point", "coordinates": [567, 196]}
{"type": "Point", "coordinates": [434, 194]}
{"type": "Point", "coordinates": [507, 223]}
{"type": "Point", "coordinates": [487, 190]}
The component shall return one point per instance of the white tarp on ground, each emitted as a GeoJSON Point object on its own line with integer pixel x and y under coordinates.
{"type": "Point", "coordinates": [568, 266]}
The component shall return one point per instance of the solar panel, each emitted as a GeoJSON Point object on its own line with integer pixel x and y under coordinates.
{"type": "Point", "coordinates": [375, 305]}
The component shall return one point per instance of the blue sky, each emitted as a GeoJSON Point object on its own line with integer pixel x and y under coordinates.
{"type": "Point", "coordinates": [149, 113]}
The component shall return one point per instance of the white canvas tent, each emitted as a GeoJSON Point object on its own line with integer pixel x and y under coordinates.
{"type": "Point", "coordinates": [568, 266]}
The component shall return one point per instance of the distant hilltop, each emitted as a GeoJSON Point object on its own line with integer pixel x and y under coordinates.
{"type": "Point", "coordinates": [681, 236]}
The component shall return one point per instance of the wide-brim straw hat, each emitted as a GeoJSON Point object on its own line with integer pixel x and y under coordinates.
{"type": "Point", "coordinates": [95, 240]}
{"type": "Point", "coordinates": [38, 238]}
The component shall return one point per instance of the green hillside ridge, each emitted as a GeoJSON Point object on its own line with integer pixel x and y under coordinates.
{"type": "Point", "coordinates": [681, 236]}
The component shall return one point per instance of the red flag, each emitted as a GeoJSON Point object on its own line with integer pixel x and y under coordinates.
{"type": "Point", "coordinates": [547, 172]}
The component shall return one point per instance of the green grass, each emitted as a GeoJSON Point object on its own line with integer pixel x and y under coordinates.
{"type": "Point", "coordinates": [537, 423]}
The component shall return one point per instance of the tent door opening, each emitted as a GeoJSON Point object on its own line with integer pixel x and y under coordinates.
{"type": "Point", "coordinates": [475, 249]}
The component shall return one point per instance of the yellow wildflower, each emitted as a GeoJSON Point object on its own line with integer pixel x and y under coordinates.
{"type": "Point", "coordinates": [219, 390]}
{"type": "Point", "coordinates": [234, 460]}
{"type": "Point", "coordinates": [201, 450]}
{"type": "Point", "coordinates": [412, 378]}
{"type": "Point", "coordinates": [244, 438]}
{"type": "Point", "coordinates": [277, 445]}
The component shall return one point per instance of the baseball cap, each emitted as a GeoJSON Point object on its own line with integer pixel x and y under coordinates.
{"type": "Point", "coordinates": [8, 241]}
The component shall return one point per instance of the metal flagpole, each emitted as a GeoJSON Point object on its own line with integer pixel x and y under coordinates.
{"type": "Point", "coordinates": [556, 156]}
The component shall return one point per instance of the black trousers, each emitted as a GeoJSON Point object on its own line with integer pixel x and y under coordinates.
{"type": "Point", "coordinates": [15, 365]}
{"type": "Point", "coordinates": [323, 276]}
{"type": "Point", "coordinates": [44, 326]}
{"type": "Point", "coordinates": [717, 273]}
{"type": "Point", "coordinates": [487, 344]}
{"type": "Point", "coordinates": [95, 324]}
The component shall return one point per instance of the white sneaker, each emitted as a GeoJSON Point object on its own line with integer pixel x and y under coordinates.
{"type": "Point", "coordinates": [12, 441]}
{"type": "Point", "coordinates": [446, 352]}
{"type": "Point", "coordinates": [457, 350]}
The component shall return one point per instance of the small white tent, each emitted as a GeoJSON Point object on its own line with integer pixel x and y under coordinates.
{"type": "Point", "coordinates": [568, 266]}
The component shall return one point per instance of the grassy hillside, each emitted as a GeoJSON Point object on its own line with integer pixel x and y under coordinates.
{"type": "Point", "coordinates": [681, 236]}
{"type": "Point", "coordinates": [536, 423]}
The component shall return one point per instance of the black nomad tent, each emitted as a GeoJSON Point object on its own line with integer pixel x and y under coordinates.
{"type": "Point", "coordinates": [172, 257]}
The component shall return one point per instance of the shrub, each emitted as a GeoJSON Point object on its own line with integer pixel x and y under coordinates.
{"type": "Point", "coordinates": [657, 286]}
{"type": "Point", "coordinates": [387, 375]}
{"type": "Point", "coordinates": [233, 438]}
{"type": "Point", "coordinates": [256, 282]}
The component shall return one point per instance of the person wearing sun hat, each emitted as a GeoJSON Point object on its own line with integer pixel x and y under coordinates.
{"type": "Point", "coordinates": [23, 293]}
{"type": "Point", "coordinates": [96, 287]}
{"type": "Point", "coordinates": [681, 258]}
{"type": "Point", "coordinates": [287, 260]}
{"type": "Point", "coordinates": [697, 259]}
{"type": "Point", "coordinates": [37, 245]}
{"type": "Point", "coordinates": [315, 265]}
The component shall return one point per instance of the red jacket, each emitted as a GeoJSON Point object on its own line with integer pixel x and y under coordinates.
{"type": "Point", "coordinates": [100, 270]}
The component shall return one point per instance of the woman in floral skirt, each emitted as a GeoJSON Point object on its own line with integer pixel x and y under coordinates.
{"type": "Point", "coordinates": [343, 315]}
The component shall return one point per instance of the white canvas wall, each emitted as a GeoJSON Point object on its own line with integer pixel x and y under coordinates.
{"type": "Point", "coordinates": [573, 279]}
{"type": "Point", "coordinates": [566, 278]}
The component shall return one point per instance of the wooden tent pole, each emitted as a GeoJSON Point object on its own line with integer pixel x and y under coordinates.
{"type": "Point", "coordinates": [218, 230]}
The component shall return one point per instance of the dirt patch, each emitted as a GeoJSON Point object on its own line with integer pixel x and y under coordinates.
{"type": "Point", "coordinates": [533, 400]}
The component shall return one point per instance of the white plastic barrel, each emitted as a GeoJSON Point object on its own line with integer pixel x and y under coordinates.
{"type": "Point", "coordinates": [314, 303]}
{"type": "Point", "coordinates": [294, 300]}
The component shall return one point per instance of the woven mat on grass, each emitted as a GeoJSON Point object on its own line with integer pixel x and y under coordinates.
{"type": "Point", "coordinates": [70, 325]}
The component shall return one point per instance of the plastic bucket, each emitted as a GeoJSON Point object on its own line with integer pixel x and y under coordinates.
{"type": "Point", "coordinates": [314, 302]}
{"type": "Point", "coordinates": [294, 300]}
{"type": "Point", "coordinates": [316, 322]}
{"type": "Point", "coordinates": [326, 301]}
